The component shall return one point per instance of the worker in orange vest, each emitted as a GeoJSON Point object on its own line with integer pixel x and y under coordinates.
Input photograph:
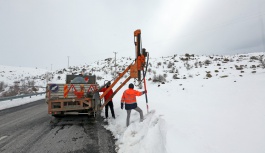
{"type": "Point", "coordinates": [129, 98]}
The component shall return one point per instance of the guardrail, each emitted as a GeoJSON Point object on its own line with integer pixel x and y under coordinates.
{"type": "Point", "coordinates": [21, 96]}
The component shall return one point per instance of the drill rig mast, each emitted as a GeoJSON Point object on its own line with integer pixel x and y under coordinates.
{"type": "Point", "coordinates": [138, 65]}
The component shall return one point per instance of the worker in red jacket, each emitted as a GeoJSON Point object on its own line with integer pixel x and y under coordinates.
{"type": "Point", "coordinates": [110, 103]}
{"type": "Point", "coordinates": [129, 98]}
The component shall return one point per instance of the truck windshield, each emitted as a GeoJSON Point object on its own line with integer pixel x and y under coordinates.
{"type": "Point", "coordinates": [78, 79]}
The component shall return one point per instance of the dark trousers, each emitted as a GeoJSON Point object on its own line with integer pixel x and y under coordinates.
{"type": "Point", "coordinates": [109, 104]}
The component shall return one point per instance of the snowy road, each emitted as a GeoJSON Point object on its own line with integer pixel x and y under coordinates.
{"type": "Point", "coordinates": [27, 128]}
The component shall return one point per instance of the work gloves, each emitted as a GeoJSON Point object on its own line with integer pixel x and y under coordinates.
{"type": "Point", "coordinates": [121, 105]}
{"type": "Point", "coordinates": [144, 92]}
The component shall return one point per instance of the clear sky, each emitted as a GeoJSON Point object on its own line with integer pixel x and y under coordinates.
{"type": "Point", "coordinates": [43, 33]}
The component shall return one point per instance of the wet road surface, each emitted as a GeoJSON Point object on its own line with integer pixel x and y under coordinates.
{"type": "Point", "coordinates": [29, 129]}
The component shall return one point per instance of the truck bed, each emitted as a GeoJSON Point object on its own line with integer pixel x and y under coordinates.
{"type": "Point", "coordinates": [64, 98]}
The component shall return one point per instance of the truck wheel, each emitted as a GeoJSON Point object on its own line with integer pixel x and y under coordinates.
{"type": "Point", "coordinates": [58, 115]}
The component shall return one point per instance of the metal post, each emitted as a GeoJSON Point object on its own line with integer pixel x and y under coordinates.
{"type": "Point", "coordinates": [68, 61]}
{"type": "Point", "coordinates": [115, 62]}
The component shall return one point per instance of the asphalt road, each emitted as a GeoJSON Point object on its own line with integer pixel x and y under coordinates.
{"type": "Point", "coordinates": [29, 129]}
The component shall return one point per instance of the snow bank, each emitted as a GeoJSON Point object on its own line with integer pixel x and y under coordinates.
{"type": "Point", "coordinates": [17, 102]}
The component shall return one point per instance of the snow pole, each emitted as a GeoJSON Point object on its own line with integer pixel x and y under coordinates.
{"type": "Point", "coordinates": [144, 74]}
{"type": "Point", "coordinates": [146, 99]}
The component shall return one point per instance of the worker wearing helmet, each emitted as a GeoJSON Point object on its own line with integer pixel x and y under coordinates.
{"type": "Point", "coordinates": [129, 98]}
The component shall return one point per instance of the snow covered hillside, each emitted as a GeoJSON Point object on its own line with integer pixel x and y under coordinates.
{"type": "Point", "coordinates": [197, 104]}
{"type": "Point", "coordinates": [21, 80]}
{"type": "Point", "coordinates": [10, 74]}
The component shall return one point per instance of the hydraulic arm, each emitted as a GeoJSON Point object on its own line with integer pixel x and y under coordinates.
{"type": "Point", "coordinates": [138, 65]}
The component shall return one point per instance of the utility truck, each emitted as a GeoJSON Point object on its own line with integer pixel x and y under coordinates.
{"type": "Point", "coordinates": [77, 96]}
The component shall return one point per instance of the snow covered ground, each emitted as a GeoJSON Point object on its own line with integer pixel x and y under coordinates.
{"type": "Point", "coordinates": [214, 115]}
{"type": "Point", "coordinates": [20, 101]}
{"type": "Point", "coordinates": [194, 113]}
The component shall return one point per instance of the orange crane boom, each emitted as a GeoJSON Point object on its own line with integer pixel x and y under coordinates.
{"type": "Point", "coordinates": [135, 68]}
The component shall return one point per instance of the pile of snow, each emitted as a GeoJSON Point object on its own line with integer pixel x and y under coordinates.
{"type": "Point", "coordinates": [189, 110]}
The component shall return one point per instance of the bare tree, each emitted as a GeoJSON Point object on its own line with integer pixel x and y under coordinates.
{"type": "Point", "coordinates": [2, 86]}
{"type": "Point", "coordinates": [262, 61]}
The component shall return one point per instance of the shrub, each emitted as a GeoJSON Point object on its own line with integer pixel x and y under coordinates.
{"type": "Point", "coordinates": [239, 67]}
{"type": "Point", "coordinates": [150, 65]}
{"type": "Point", "coordinates": [226, 60]}
{"type": "Point", "coordinates": [175, 76]}
{"type": "Point", "coordinates": [35, 89]}
{"type": "Point", "coordinates": [224, 76]}
{"type": "Point", "coordinates": [172, 70]}
{"type": "Point", "coordinates": [176, 71]}
{"type": "Point", "coordinates": [207, 62]}
{"type": "Point", "coordinates": [208, 75]}
{"type": "Point", "coordinates": [184, 59]}
{"type": "Point", "coordinates": [149, 70]}
{"type": "Point", "coordinates": [262, 61]}
{"type": "Point", "coordinates": [158, 78]}
{"type": "Point", "coordinates": [254, 58]}
{"type": "Point", "coordinates": [99, 78]}
{"type": "Point", "coordinates": [9, 93]}
{"type": "Point", "coordinates": [170, 65]}
{"type": "Point", "coordinates": [200, 64]}
{"type": "Point", "coordinates": [196, 64]}
{"type": "Point", "coordinates": [188, 66]}
{"type": "Point", "coordinates": [189, 55]}
{"type": "Point", "coordinates": [31, 83]}
{"type": "Point", "coordinates": [253, 66]}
